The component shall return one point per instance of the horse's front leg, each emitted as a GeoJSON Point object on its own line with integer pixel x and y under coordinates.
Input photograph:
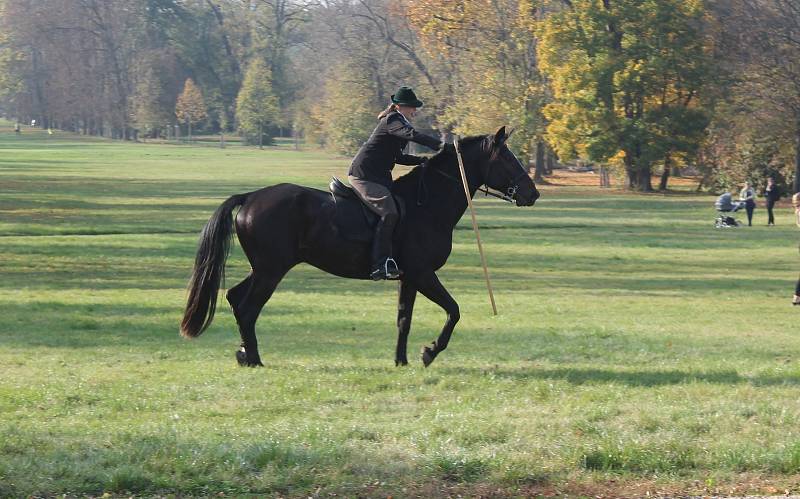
{"type": "Point", "coordinates": [407, 293]}
{"type": "Point", "coordinates": [432, 289]}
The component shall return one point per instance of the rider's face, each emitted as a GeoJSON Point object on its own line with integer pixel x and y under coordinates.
{"type": "Point", "coordinates": [407, 111]}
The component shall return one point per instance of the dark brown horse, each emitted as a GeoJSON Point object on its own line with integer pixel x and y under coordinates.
{"type": "Point", "coordinates": [283, 225]}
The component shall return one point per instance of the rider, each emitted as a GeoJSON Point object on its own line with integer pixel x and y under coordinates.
{"type": "Point", "coordinates": [371, 173]}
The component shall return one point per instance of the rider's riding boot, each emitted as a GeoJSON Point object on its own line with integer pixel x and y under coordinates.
{"type": "Point", "coordinates": [383, 265]}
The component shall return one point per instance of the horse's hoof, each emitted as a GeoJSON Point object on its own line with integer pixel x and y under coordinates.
{"type": "Point", "coordinates": [427, 356]}
{"type": "Point", "coordinates": [241, 358]}
{"type": "Point", "coordinates": [399, 363]}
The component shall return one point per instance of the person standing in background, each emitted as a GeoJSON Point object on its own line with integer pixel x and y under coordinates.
{"type": "Point", "coordinates": [796, 205]}
{"type": "Point", "coordinates": [748, 195]}
{"type": "Point", "coordinates": [773, 194]}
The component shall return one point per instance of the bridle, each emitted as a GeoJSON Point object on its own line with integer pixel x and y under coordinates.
{"type": "Point", "coordinates": [511, 191]}
{"type": "Point", "coordinates": [508, 196]}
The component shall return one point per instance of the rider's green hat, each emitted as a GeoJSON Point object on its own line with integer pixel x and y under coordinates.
{"type": "Point", "coordinates": [406, 97]}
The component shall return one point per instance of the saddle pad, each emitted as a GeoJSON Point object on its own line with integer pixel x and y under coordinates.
{"type": "Point", "coordinates": [353, 221]}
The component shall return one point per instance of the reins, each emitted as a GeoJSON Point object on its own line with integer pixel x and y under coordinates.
{"type": "Point", "coordinates": [422, 187]}
{"type": "Point", "coordinates": [484, 190]}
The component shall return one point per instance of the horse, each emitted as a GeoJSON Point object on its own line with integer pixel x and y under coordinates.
{"type": "Point", "coordinates": [283, 225]}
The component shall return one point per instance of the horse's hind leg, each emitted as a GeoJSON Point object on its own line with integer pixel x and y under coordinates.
{"type": "Point", "coordinates": [236, 294]}
{"type": "Point", "coordinates": [247, 299]}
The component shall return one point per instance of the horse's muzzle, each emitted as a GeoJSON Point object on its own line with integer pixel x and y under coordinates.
{"type": "Point", "coordinates": [528, 202]}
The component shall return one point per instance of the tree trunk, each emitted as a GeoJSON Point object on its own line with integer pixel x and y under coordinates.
{"type": "Point", "coordinates": [537, 173]}
{"type": "Point", "coordinates": [637, 177]}
{"type": "Point", "coordinates": [700, 184]}
{"type": "Point", "coordinates": [797, 159]}
{"type": "Point", "coordinates": [662, 186]}
{"type": "Point", "coordinates": [548, 164]}
{"type": "Point", "coordinates": [260, 136]}
{"type": "Point", "coordinates": [189, 139]}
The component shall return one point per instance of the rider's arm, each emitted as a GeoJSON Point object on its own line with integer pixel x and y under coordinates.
{"type": "Point", "coordinates": [399, 128]}
{"type": "Point", "coordinates": [410, 160]}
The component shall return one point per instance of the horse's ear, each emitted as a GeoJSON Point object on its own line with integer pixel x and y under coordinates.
{"type": "Point", "coordinates": [500, 137]}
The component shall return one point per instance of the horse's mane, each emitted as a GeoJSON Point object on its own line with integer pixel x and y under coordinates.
{"type": "Point", "coordinates": [439, 160]}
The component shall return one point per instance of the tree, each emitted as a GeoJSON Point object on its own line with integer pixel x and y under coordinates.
{"type": "Point", "coordinates": [79, 62]}
{"type": "Point", "coordinates": [353, 52]}
{"type": "Point", "coordinates": [278, 27]}
{"type": "Point", "coordinates": [257, 106]}
{"type": "Point", "coordinates": [626, 76]}
{"type": "Point", "coordinates": [495, 78]}
{"type": "Point", "coordinates": [12, 62]}
{"type": "Point", "coordinates": [348, 112]}
{"type": "Point", "coordinates": [156, 88]}
{"type": "Point", "coordinates": [762, 41]}
{"type": "Point", "coordinates": [190, 108]}
{"type": "Point", "coordinates": [210, 40]}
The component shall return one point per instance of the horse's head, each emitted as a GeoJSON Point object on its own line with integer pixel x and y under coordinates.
{"type": "Point", "coordinates": [505, 173]}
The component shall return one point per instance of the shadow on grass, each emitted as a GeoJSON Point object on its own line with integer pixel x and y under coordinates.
{"type": "Point", "coordinates": [136, 188]}
{"type": "Point", "coordinates": [582, 376]}
{"type": "Point", "coordinates": [59, 325]}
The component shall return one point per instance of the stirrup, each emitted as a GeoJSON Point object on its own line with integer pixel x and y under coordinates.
{"type": "Point", "coordinates": [390, 271]}
{"type": "Point", "coordinates": [391, 268]}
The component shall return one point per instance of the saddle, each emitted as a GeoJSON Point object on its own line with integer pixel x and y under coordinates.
{"type": "Point", "coordinates": [353, 220]}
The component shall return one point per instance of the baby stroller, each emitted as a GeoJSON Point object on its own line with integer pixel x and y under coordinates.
{"type": "Point", "coordinates": [726, 207]}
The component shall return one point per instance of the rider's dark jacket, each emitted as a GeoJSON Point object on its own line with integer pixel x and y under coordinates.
{"type": "Point", "coordinates": [384, 149]}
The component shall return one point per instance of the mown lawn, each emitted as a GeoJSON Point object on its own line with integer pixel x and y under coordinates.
{"type": "Point", "coordinates": [637, 349]}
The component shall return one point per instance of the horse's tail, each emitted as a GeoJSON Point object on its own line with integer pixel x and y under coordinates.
{"type": "Point", "coordinates": [209, 268]}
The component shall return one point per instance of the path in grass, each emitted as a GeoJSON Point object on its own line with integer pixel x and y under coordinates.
{"type": "Point", "coordinates": [637, 347]}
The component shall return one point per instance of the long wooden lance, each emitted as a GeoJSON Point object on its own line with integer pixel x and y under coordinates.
{"type": "Point", "coordinates": [474, 222]}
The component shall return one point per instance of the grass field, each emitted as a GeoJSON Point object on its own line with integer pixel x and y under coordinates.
{"type": "Point", "coordinates": [637, 349]}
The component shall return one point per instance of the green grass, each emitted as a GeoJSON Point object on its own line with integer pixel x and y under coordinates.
{"type": "Point", "coordinates": [637, 349]}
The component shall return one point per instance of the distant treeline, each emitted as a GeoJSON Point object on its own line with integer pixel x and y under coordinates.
{"type": "Point", "coordinates": [645, 87]}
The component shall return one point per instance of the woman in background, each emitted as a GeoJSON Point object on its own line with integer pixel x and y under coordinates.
{"type": "Point", "coordinates": [796, 205]}
{"type": "Point", "coordinates": [773, 194]}
{"type": "Point", "coordinates": [748, 195]}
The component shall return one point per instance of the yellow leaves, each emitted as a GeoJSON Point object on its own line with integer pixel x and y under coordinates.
{"type": "Point", "coordinates": [693, 8]}
{"type": "Point", "coordinates": [444, 24]}
{"type": "Point", "coordinates": [436, 21]}
{"type": "Point", "coordinates": [256, 104]}
{"type": "Point", "coordinates": [566, 128]}
{"type": "Point", "coordinates": [345, 113]}
{"type": "Point", "coordinates": [496, 81]}
{"type": "Point", "coordinates": [191, 107]}
{"type": "Point", "coordinates": [617, 159]}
